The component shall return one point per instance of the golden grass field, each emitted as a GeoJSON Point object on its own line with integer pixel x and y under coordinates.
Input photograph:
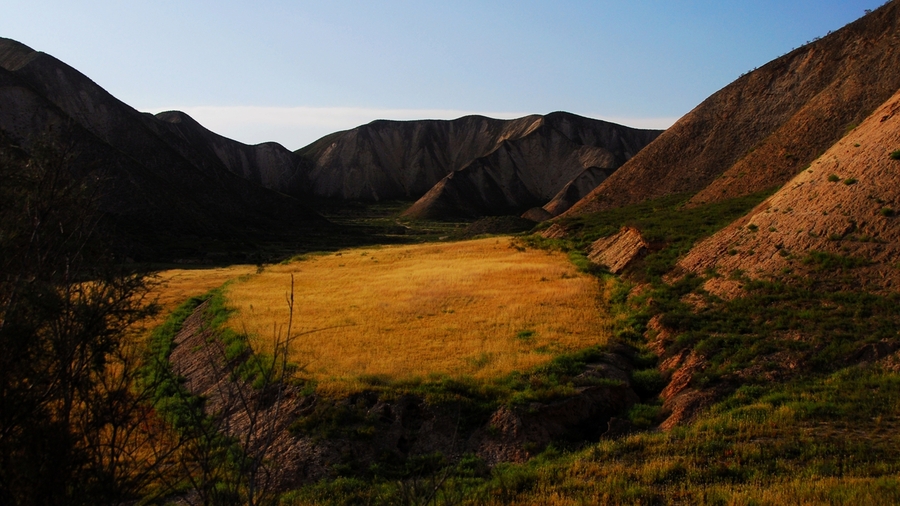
{"type": "Point", "coordinates": [481, 308]}
{"type": "Point", "coordinates": [174, 286]}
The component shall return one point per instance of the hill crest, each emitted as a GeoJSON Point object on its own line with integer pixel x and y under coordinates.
{"type": "Point", "coordinates": [838, 217]}
{"type": "Point", "coordinates": [760, 130]}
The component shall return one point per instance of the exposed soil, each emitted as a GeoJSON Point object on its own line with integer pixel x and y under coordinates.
{"type": "Point", "coordinates": [338, 435]}
{"type": "Point", "coordinates": [618, 251]}
{"type": "Point", "coordinates": [759, 131]}
{"type": "Point", "coordinates": [844, 204]}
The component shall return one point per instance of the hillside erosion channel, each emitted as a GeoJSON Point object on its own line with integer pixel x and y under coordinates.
{"type": "Point", "coordinates": [309, 436]}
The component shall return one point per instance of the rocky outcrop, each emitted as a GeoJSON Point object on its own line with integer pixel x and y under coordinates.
{"type": "Point", "coordinates": [150, 188]}
{"type": "Point", "coordinates": [554, 231]}
{"type": "Point", "coordinates": [763, 128]}
{"type": "Point", "coordinates": [618, 250]}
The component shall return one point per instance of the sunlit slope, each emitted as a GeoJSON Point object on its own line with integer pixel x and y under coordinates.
{"type": "Point", "coordinates": [480, 308]}
{"type": "Point", "coordinates": [174, 286]}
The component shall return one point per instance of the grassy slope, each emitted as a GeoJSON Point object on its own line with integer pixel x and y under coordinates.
{"type": "Point", "coordinates": [801, 420]}
{"type": "Point", "coordinates": [829, 440]}
{"type": "Point", "coordinates": [480, 308]}
{"type": "Point", "coordinates": [824, 432]}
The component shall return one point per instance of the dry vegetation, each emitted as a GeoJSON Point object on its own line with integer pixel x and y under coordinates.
{"type": "Point", "coordinates": [175, 286]}
{"type": "Point", "coordinates": [480, 308]}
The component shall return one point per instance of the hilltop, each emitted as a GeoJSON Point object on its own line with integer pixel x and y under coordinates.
{"type": "Point", "coordinates": [164, 196]}
{"type": "Point", "coordinates": [766, 126]}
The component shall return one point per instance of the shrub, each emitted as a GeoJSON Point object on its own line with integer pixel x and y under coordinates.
{"type": "Point", "coordinates": [647, 382]}
{"type": "Point", "coordinates": [525, 335]}
{"type": "Point", "coordinates": [823, 260]}
{"type": "Point", "coordinates": [834, 178]}
{"type": "Point", "coordinates": [850, 180]}
{"type": "Point", "coordinates": [895, 155]}
{"type": "Point", "coordinates": [644, 416]}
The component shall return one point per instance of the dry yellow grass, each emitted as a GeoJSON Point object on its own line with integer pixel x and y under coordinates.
{"type": "Point", "coordinates": [479, 308]}
{"type": "Point", "coordinates": [174, 286]}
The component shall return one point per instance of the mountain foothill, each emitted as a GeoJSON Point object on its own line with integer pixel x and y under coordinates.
{"type": "Point", "coordinates": [749, 253]}
{"type": "Point", "coordinates": [167, 175]}
{"type": "Point", "coordinates": [815, 129]}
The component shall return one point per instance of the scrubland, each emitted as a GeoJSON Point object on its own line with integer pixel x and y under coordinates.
{"type": "Point", "coordinates": [824, 433]}
{"type": "Point", "coordinates": [479, 308]}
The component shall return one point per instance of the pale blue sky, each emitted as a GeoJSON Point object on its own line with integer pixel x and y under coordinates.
{"type": "Point", "coordinates": [292, 71]}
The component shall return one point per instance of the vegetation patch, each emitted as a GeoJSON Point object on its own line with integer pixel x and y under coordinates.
{"type": "Point", "coordinates": [763, 445]}
{"type": "Point", "coordinates": [666, 223]}
{"type": "Point", "coordinates": [824, 261]}
{"type": "Point", "coordinates": [408, 312]}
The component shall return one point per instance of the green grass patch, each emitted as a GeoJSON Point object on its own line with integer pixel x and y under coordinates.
{"type": "Point", "coordinates": [666, 223]}
{"type": "Point", "coordinates": [829, 439]}
{"type": "Point", "coordinates": [824, 261]}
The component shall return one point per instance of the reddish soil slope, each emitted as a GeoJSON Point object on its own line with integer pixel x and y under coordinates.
{"type": "Point", "coordinates": [766, 126]}
{"type": "Point", "coordinates": [845, 205]}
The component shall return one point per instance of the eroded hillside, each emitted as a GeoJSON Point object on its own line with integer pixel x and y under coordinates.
{"type": "Point", "coordinates": [759, 131]}
{"type": "Point", "coordinates": [844, 205]}
{"type": "Point", "coordinates": [469, 167]}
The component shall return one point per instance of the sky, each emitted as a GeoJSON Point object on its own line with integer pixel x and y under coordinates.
{"type": "Point", "coordinates": [294, 71]}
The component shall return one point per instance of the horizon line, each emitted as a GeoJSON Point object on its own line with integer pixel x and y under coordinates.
{"type": "Point", "coordinates": [299, 126]}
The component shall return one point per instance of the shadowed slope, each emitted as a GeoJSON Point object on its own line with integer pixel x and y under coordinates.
{"type": "Point", "coordinates": [403, 159]}
{"type": "Point", "coordinates": [529, 171]}
{"type": "Point", "coordinates": [763, 128]}
{"type": "Point", "coordinates": [150, 189]}
{"type": "Point", "coordinates": [269, 164]}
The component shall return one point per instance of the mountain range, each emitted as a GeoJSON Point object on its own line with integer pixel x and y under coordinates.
{"type": "Point", "coordinates": [167, 174]}
{"type": "Point", "coordinates": [755, 246]}
{"type": "Point", "coordinates": [158, 187]}
{"type": "Point", "coordinates": [469, 167]}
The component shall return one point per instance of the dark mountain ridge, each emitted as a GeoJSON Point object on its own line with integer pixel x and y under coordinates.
{"type": "Point", "coordinates": [468, 167]}
{"type": "Point", "coordinates": [151, 189]}
{"type": "Point", "coordinates": [269, 164]}
{"type": "Point", "coordinates": [386, 159]}
{"type": "Point", "coordinates": [167, 174]}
